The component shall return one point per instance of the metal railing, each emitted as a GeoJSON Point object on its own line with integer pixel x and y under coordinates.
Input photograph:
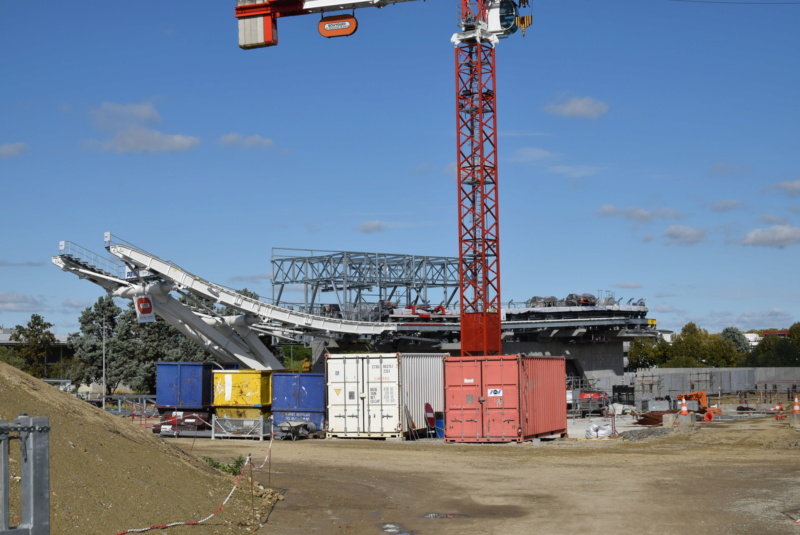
{"type": "Point", "coordinates": [241, 427]}
{"type": "Point", "coordinates": [33, 434]}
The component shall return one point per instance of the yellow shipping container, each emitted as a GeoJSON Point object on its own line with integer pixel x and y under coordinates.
{"type": "Point", "coordinates": [242, 412]}
{"type": "Point", "coordinates": [249, 388]}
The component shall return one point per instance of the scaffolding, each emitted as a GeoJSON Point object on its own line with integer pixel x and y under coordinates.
{"type": "Point", "coordinates": [364, 286]}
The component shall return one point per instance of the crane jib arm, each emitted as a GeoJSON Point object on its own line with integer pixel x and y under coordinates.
{"type": "Point", "coordinates": [258, 26]}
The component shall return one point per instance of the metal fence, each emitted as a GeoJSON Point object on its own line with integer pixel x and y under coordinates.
{"type": "Point", "coordinates": [33, 434]}
{"type": "Point", "coordinates": [257, 428]}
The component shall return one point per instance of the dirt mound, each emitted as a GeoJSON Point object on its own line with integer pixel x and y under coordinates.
{"type": "Point", "coordinates": [107, 475]}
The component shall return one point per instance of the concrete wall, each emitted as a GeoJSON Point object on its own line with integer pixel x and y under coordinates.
{"type": "Point", "coordinates": [762, 382]}
{"type": "Point", "coordinates": [601, 363]}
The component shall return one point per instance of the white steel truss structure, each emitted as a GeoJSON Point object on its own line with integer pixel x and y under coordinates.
{"type": "Point", "coordinates": [365, 286]}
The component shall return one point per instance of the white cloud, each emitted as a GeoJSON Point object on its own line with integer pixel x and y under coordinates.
{"type": "Point", "coordinates": [76, 303]}
{"type": "Point", "coordinates": [639, 215]}
{"type": "Point", "coordinates": [584, 107]}
{"type": "Point", "coordinates": [721, 168]}
{"type": "Point", "coordinates": [6, 263]}
{"type": "Point", "coordinates": [234, 138]}
{"type": "Point", "coordinates": [520, 133]}
{"type": "Point", "coordinates": [370, 227]}
{"type": "Point", "coordinates": [771, 219]}
{"type": "Point", "coordinates": [12, 150]}
{"type": "Point", "coordinates": [726, 205]}
{"type": "Point", "coordinates": [647, 238]}
{"type": "Point", "coordinates": [681, 235]}
{"type": "Point", "coordinates": [111, 116]}
{"type": "Point", "coordinates": [19, 303]}
{"type": "Point", "coordinates": [628, 285]}
{"type": "Point", "coordinates": [421, 168]}
{"type": "Point", "coordinates": [254, 279]}
{"type": "Point", "coordinates": [779, 236]}
{"type": "Point", "coordinates": [532, 154]}
{"type": "Point", "coordinates": [774, 317]}
{"type": "Point", "coordinates": [665, 309]}
{"type": "Point", "coordinates": [137, 139]}
{"type": "Point", "coordinates": [574, 171]}
{"type": "Point", "coordinates": [791, 188]}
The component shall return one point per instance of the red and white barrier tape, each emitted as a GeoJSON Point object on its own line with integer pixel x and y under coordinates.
{"type": "Point", "coordinates": [235, 485]}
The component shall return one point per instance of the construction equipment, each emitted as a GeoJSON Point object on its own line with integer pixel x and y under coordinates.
{"type": "Point", "coordinates": [482, 23]}
{"type": "Point", "coordinates": [699, 397]}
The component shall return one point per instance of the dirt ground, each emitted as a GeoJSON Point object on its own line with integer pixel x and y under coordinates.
{"type": "Point", "coordinates": [108, 476]}
{"type": "Point", "coordinates": [736, 477]}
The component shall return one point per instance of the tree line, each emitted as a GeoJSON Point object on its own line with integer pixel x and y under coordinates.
{"type": "Point", "coordinates": [131, 349]}
{"type": "Point", "coordinates": [695, 348]}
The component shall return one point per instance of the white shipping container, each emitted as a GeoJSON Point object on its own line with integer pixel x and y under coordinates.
{"type": "Point", "coordinates": [376, 395]}
{"type": "Point", "coordinates": [421, 382]}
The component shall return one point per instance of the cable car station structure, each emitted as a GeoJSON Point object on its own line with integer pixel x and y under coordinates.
{"type": "Point", "coordinates": [591, 335]}
{"type": "Point", "coordinates": [381, 300]}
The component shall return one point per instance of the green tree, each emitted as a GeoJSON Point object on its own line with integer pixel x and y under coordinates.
{"type": "Point", "coordinates": [736, 336]}
{"type": "Point", "coordinates": [97, 326]}
{"type": "Point", "coordinates": [132, 349]}
{"type": "Point", "coordinates": [682, 361]}
{"type": "Point", "coordinates": [33, 344]}
{"type": "Point", "coordinates": [647, 352]}
{"type": "Point", "coordinates": [8, 356]}
{"type": "Point", "coordinates": [720, 353]}
{"type": "Point", "coordinates": [794, 334]}
{"type": "Point", "coordinates": [774, 351]}
{"type": "Point", "coordinates": [688, 347]}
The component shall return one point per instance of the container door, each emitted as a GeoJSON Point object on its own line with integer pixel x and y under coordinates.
{"type": "Point", "coordinates": [344, 397]}
{"type": "Point", "coordinates": [463, 412]}
{"type": "Point", "coordinates": [167, 384]}
{"type": "Point", "coordinates": [311, 392]}
{"type": "Point", "coordinates": [191, 385]}
{"type": "Point", "coordinates": [501, 398]}
{"type": "Point", "coordinates": [381, 386]}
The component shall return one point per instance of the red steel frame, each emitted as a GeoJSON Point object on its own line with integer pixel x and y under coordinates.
{"type": "Point", "coordinates": [478, 222]}
{"type": "Point", "coordinates": [476, 134]}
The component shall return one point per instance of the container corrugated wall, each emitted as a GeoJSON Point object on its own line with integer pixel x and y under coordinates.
{"type": "Point", "coordinates": [183, 385]}
{"type": "Point", "coordinates": [504, 398]}
{"type": "Point", "coordinates": [544, 390]}
{"type": "Point", "coordinates": [379, 395]}
{"type": "Point", "coordinates": [246, 388]}
{"type": "Point", "coordinates": [364, 396]}
{"type": "Point", "coordinates": [421, 382]}
{"type": "Point", "coordinates": [298, 397]}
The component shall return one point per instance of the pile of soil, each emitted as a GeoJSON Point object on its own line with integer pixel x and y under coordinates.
{"type": "Point", "coordinates": [108, 476]}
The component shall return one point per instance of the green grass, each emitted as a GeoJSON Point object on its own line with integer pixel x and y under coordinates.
{"type": "Point", "coordinates": [233, 468]}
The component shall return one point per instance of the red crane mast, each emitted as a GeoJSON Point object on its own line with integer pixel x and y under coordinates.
{"type": "Point", "coordinates": [478, 221]}
{"type": "Point", "coordinates": [482, 23]}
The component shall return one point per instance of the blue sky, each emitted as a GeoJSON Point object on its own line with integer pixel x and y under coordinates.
{"type": "Point", "coordinates": [648, 148]}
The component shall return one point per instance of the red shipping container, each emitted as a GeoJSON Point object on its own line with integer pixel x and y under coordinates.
{"type": "Point", "coordinates": [504, 398]}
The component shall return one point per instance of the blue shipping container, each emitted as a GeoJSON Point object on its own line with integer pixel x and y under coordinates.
{"type": "Point", "coordinates": [298, 392]}
{"type": "Point", "coordinates": [184, 385]}
{"type": "Point", "coordinates": [298, 397]}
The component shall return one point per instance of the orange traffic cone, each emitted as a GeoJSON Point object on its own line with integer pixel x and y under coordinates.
{"type": "Point", "coordinates": [796, 409]}
{"type": "Point", "coordinates": [684, 409]}
{"type": "Point", "coordinates": [780, 406]}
